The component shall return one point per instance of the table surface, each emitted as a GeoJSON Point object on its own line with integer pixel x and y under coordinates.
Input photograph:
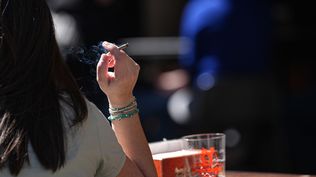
{"type": "Point", "coordinates": [254, 174]}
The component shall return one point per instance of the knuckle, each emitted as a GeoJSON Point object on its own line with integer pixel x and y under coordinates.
{"type": "Point", "coordinates": [137, 66]}
{"type": "Point", "coordinates": [109, 46]}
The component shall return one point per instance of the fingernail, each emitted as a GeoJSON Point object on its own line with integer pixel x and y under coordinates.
{"type": "Point", "coordinates": [105, 43]}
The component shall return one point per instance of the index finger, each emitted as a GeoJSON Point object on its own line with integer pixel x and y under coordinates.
{"type": "Point", "coordinates": [119, 57]}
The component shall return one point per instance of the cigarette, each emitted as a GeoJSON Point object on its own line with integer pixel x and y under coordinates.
{"type": "Point", "coordinates": [123, 46]}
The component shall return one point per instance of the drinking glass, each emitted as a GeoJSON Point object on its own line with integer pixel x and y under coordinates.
{"type": "Point", "coordinates": [207, 155]}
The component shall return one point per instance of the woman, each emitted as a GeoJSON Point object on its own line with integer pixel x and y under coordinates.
{"type": "Point", "coordinates": [47, 128]}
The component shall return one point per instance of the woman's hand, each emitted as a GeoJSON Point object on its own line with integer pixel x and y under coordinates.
{"type": "Point", "coordinates": [118, 85]}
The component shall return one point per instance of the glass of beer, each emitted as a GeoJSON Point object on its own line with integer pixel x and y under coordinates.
{"type": "Point", "coordinates": [208, 154]}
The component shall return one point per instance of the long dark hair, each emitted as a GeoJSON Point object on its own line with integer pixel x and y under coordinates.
{"type": "Point", "coordinates": [33, 79]}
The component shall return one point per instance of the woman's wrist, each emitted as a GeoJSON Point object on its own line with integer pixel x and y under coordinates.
{"type": "Point", "coordinates": [120, 101]}
{"type": "Point", "coordinates": [125, 110]}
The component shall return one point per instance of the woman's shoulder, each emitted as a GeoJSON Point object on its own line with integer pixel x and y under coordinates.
{"type": "Point", "coordinates": [94, 113]}
{"type": "Point", "coordinates": [68, 111]}
{"type": "Point", "coordinates": [93, 124]}
{"type": "Point", "coordinates": [93, 118]}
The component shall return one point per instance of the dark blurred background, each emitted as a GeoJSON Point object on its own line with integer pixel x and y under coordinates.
{"type": "Point", "coordinates": [242, 67]}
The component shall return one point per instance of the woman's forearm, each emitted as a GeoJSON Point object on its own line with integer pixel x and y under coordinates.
{"type": "Point", "coordinates": [130, 135]}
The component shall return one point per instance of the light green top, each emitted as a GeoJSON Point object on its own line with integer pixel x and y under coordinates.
{"type": "Point", "coordinates": [92, 151]}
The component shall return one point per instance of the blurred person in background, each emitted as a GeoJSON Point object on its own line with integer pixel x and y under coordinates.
{"type": "Point", "coordinates": [228, 55]}
{"type": "Point", "coordinates": [47, 128]}
{"type": "Point", "coordinates": [252, 67]}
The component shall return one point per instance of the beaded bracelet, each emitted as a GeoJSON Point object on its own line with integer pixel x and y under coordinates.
{"type": "Point", "coordinates": [123, 116]}
{"type": "Point", "coordinates": [123, 112]}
